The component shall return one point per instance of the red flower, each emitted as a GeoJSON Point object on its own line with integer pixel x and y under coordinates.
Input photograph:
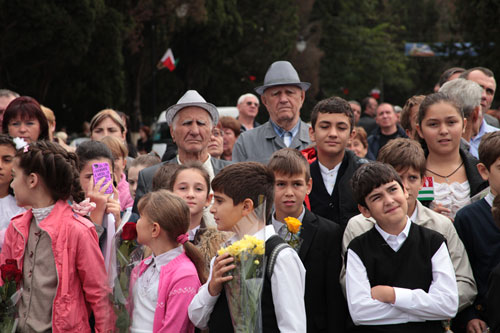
{"type": "Point", "coordinates": [10, 272]}
{"type": "Point", "coordinates": [129, 232]}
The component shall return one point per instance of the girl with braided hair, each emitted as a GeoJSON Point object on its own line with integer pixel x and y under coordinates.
{"type": "Point", "coordinates": [56, 249]}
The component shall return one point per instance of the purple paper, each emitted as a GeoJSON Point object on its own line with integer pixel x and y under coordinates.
{"type": "Point", "coordinates": [101, 170]}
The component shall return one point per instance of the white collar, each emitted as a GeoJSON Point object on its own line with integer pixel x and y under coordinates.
{"type": "Point", "coordinates": [192, 232]}
{"type": "Point", "coordinates": [413, 216]}
{"type": "Point", "coordinates": [404, 233]}
{"type": "Point", "coordinates": [489, 198]}
{"type": "Point", "coordinates": [263, 234]}
{"type": "Point", "coordinates": [204, 163]}
{"type": "Point", "coordinates": [41, 213]}
{"type": "Point", "coordinates": [164, 258]}
{"type": "Point", "coordinates": [325, 170]}
{"type": "Point", "coordinates": [278, 224]}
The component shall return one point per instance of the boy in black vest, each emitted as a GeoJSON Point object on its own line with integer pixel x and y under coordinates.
{"type": "Point", "coordinates": [238, 191]}
{"type": "Point", "coordinates": [481, 236]}
{"type": "Point", "coordinates": [326, 308]}
{"type": "Point", "coordinates": [332, 124]}
{"type": "Point", "coordinates": [399, 275]}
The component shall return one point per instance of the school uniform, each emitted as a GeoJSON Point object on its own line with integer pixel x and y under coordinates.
{"type": "Point", "coordinates": [493, 300]}
{"type": "Point", "coordinates": [428, 218]}
{"type": "Point", "coordinates": [481, 238]}
{"type": "Point", "coordinates": [286, 286]}
{"type": "Point", "coordinates": [331, 196]}
{"type": "Point", "coordinates": [416, 264]}
{"type": "Point", "coordinates": [326, 307]}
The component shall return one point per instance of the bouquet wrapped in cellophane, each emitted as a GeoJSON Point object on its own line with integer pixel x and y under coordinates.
{"type": "Point", "coordinates": [244, 290]}
{"type": "Point", "coordinates": [9, 295]}
{"type": "Point", "coordinates": [128, 254]}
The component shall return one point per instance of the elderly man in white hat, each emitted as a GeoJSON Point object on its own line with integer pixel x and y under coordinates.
{"type": "Point", "coordinates": [191, 122]}
{"type": "Point", "coordinates": [283, 95]}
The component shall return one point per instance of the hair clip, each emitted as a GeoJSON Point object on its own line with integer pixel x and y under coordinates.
{"type": "Point", "coordinates": [20, 143]}
{"type": "Point", "coordinates": [25, 149]}
{"type": "Point", "coordinates": [182, 238]}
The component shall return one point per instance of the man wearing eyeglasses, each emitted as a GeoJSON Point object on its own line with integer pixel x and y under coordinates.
{"type": "Point", "coordinates": [248, 107]}
{"type": "Point", "coordinates": [283, 95]}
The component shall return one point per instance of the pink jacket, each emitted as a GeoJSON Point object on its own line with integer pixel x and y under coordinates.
{"type": "Point", "coordinates": [82, 280]}
{"type": "Point", "coordinates": [123, 189]}
{"type": "Point", "coordinates": [178, 284]}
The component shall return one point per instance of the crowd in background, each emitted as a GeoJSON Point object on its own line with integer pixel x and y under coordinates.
{"type": "Point", "coordinates": [438, 169]}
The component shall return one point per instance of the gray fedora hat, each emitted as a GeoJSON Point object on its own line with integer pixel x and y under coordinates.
{"type": "Point", "coordinates": [192, 98]}
{"type": "Point", "coordinates": [281, 73]}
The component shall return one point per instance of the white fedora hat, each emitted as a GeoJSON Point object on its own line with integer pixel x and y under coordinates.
{"type": "Point", "coordinates": [192, 98]}
{"type": "Point", "coordinates": [281, 73]}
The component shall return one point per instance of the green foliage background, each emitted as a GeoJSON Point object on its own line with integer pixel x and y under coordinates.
{"type": "Point", "coordinates": [79, 57]}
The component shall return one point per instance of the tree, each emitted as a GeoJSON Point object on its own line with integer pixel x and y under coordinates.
{"type": "Point", "coordinates": [67, 55]}
{"type": "Point", "coordinates": [476, 21]}
{"type": "Point", "coordinates": [360, 49]}
{"type": "Point", "coordinates": [219, 55]}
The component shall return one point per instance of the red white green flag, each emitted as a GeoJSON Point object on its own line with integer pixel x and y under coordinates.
{"type": "Point", "coordinates": [168, 60]}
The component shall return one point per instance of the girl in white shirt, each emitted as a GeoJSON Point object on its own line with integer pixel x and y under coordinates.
{"type": "Point", "coordinates": [8, 206]}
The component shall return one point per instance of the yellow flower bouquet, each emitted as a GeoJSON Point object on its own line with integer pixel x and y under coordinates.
{"type": "Point", "coordinates": [244, 291]}
{"type": "Point", "coordinates": [293, 235]}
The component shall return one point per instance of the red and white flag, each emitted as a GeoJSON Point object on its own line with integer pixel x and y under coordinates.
{"type": "Point", "coordinates": [168, 60]}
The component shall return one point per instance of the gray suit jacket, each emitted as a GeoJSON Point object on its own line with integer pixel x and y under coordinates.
{"type": "Point", "coordinates": [145, 178]}
{"type": "Point", "coordinates": [260, 143]}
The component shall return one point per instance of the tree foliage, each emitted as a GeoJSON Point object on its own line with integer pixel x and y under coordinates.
{"type": "Point", "coordinates": [361, 50]}
{"type": "Point", "coordinates": [238, 39]}
{"type": "Point", "coordinates": [65, 54]}
{"type": "Point", "coordinates": [476, 22]}
{"type": "Point", "coordinates": [78, 57]}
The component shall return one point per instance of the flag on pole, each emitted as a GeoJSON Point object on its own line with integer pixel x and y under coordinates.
{"type": "Point", "coordinates": [168, 61]}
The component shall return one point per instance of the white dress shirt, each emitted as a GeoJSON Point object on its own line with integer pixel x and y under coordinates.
{"type": "Point", "coordinates": [489, 198]}
{"type": "Point", "coordinates": [329, 176]}
{"type": "Point", "coordinates": [411, 305]}
{"type": "Point", "coordinates": [287, 283]}
{"type": "Point", "coordinates": [145, 291]}
{"type": "Point", "coordinates": [192, 232]}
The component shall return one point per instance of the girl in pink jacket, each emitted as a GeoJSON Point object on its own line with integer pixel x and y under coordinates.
{"type": "Point", "coordinates": [164, 284]}
{"type": "Point", "coordinates": [64, 278]}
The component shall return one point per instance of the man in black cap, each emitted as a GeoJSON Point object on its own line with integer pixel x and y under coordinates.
{"type": "Point", "coordinates": [283, 95]}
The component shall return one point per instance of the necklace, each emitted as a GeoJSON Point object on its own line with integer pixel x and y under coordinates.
{"type": "Point", "coordinates": [451, 174]}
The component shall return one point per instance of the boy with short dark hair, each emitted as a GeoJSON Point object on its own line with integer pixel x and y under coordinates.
{"type": "Point", "coordinates": [481, 236]}
{"type": "Point", "coordinates": [238, 190]}
{"type": "Point", "coordinates": [408, 158]}
{"type": "Point", "coordinates": [399, 276]}
{"type": "Point", "coordinates": [331, 128]}
{"type": "Point", "coordinates": [319, 251]}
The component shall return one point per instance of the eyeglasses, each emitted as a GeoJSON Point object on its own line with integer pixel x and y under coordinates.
{"type": "Point", "coordinates": [217, 132]}
{"type": "Point", "coordinates": [250, 103]}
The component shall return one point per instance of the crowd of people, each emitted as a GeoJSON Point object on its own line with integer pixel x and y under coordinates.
{"type": "Point", "coordinates": [397, 211]}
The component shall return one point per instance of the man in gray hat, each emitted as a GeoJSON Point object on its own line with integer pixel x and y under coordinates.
{"type": "Point", "coordinates": [283, 95]}
{"type": "Point", "coordinates": [191, 122]}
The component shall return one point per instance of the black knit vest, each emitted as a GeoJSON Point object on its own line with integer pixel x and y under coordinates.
{"type": "Point", "coordinates": [410, 267]}
{"type": "Point", "coordinates": [220, 319]}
